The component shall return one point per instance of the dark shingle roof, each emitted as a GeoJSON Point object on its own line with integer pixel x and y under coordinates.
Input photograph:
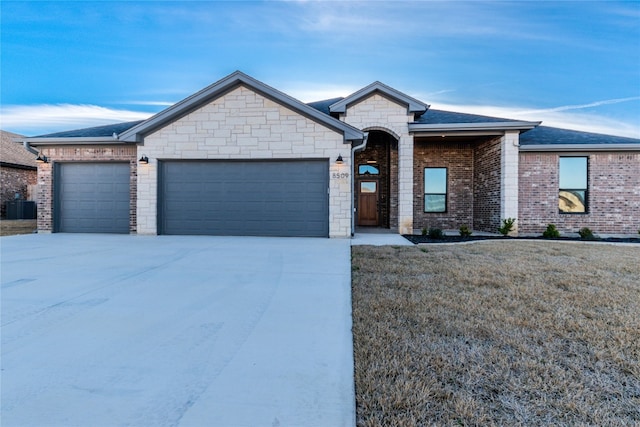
{"type": "Point", "coordinates": [540, 135]}
{"type": "Point", "coordinates": [323, 106]}
{"type": "Point", "coordinates": [445, 117]}
{"type": "Point", "coordinates": [14, 153]}
{"type": "Point", "coordinates": [98, 131]}
{"type": "Point", "coordinates": [545, 135]}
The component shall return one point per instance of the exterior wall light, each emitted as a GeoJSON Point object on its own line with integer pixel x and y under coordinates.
{"type": "Point", "coordinates": [339, 160]}
{"type": "Point", "coordinates": [144, 160]}
{"type": "Point", "coordinates": [42, 158]}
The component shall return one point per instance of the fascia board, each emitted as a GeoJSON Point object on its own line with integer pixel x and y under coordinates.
{"type": "Point", "coordinates": [580, 147]}
{"type": "Point", "coordinates": [457, 127]}
{"type": "Point", "coordinates": [413, 105]}
{"type": "Point", "coordinates": [226, 84]}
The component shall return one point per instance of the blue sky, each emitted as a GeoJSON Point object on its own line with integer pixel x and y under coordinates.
{"type": "Point", "coordinates": [73, 64]}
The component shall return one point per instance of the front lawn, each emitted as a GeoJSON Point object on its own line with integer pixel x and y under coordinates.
{"type": "Point", "coordinates": [497, 333]}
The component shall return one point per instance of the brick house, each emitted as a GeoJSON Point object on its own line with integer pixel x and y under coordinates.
{"type": "Point", "coordinates": [18, 171]}
{"type": "Point", "coordinates": [242, 158]}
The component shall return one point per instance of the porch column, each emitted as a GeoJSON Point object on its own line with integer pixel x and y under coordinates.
{"type": "Point", "coordinates": [405, 184]}
{"type": "Point", "coordinates": [509, 156]}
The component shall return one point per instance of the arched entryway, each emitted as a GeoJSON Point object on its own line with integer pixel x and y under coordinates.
{"type": "Point", "coordinates": [376, 182]}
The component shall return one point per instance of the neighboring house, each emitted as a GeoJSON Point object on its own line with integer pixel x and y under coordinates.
{"type": "Point", "coordinates": [242, 158]}
{"type": "Point", "coordinates": [18, 170]}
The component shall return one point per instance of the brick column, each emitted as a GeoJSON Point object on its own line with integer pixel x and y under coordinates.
{"type": "Point", "coordinates": [509, 155]}
{"type": "Point", "coordinates": [405, 184]}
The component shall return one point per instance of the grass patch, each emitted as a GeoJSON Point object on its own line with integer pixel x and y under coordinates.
{"type": "Point", "coordinates": [497, 333]}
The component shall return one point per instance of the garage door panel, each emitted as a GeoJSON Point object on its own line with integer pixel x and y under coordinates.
{"type": "Point", "coordinates": [92, 197]}
{"type": "Point", "coordinates": [270, 198]}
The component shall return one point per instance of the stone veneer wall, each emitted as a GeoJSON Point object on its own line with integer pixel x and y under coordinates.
{"type": "Point", "coordinates": [243, 124]}
{"type": "Point", "coordinates": [486, 191]}
{"type": "Point", "coordinates": [377, 112]}
{"type": "Point", "coordinates": [97, 153]}
{"type": "Point", "coordinates": [613, 199]}
{"type": "Point", "coordinates": [14, 180]}
{"type": "Point", "coordinates": [458, 159]}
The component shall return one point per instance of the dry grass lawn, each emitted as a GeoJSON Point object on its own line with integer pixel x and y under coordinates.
{"type": "Point", "coordinates": [497, 333]}
{"type": "Point", "coordinates": [20, 226]}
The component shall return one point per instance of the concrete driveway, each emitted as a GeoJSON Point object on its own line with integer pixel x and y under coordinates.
{"type": "Point", "coordinates": [115, 330]}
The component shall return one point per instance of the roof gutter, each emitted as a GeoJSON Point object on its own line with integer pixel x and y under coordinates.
{"type": "Point", "coordinates": [94, 140]}
{"type": "Point", "coordinates": [580, 147]}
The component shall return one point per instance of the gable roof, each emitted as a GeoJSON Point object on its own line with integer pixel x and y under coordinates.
{"type": "Point", "coordinates": [13, 153]}
{"type": "Point", "coordinates": [413, 105]}
{"type": "Point", "coordinates": [191, 103]}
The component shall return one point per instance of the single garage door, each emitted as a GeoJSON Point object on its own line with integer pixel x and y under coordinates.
{"type": "Point", "coordinates": [92, 197]}
{"type": "Point", "coordinates": [245, 198]}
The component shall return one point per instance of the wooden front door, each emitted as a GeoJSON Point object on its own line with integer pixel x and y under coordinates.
{"type": "Point", "coordinates": [368, 203]}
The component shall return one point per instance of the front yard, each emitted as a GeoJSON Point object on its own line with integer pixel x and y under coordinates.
{"type": "Point", "coordinates": [497, 333]}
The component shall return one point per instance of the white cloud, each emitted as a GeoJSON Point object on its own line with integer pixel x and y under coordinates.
{"type": "Point", "coordinates": [150, 103]}
{"type": "Point", "coordinates": [308, 92]}
{"type": "Point", "coordinates": [47, 118]}
{"type": "Point", "coordinates": [581, 106]}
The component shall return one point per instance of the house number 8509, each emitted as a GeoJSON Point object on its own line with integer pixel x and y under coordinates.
{"type": "Point", "coordinates": [340, 175]}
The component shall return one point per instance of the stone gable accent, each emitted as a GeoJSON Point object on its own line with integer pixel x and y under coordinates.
{"type": "Point", "coordinates": [377, 112]}
{"type": "Point", "coordinates": [243, 124]}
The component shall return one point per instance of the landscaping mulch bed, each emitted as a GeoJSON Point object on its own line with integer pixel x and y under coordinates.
{"type": "Point", "coordinates": [414, 238]}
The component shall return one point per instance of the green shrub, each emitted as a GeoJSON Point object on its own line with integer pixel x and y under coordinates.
{"type": "Point", "coordinates": [586, 233]}
{"type": "Point", "coordinates": [436, 233]}
{"type": "Point", "coordinates": [551, 232]}
{"type": "Point", "coordinates": [465, 231]}
{"type": "Point", "coordinates": [507, 226]}
{"type": "Point", "coordinates": [424, 231]}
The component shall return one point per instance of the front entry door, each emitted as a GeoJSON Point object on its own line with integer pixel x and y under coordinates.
{"type": "Point", "coordinates": [368, 203]}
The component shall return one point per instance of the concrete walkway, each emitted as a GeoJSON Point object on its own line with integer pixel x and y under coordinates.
{"type": "Point", "coordinates": [379, 239]}
{"type": "Point", "coordinates": [107, 330]}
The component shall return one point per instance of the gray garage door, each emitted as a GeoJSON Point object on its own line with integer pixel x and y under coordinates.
{"type": "Point", "coordinates": [245, 198]}
{"type": "Point", "coordinates": [92, 198]}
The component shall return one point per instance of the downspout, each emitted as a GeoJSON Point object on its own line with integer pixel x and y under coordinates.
{"type": "Point", "coordinates": [353, 181]}
{"type": "Point", "coordinates": [30, 148]}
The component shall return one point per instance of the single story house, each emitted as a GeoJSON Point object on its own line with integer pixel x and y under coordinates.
{"type": "Point", "coordinates": [18, 171]}
{"type": "Point", "coordinates": [242, 158]}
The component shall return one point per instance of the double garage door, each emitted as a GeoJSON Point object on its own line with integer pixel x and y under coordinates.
{"type": "Point", "coordinates": [250, 198]}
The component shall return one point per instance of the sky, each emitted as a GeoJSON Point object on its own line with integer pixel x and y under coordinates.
{"type": "Point", "coordinates": [74, 64]}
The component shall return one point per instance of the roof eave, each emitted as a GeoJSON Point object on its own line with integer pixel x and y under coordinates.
{"type": "Point", "coordinates": [17, 166]}
{"type": "Point", "coordinates": [95, 140]}
{"type": "Point", "coordinates": [579, 147]}
{"type": "Point", "coordinates": [137, 133]}
{"type": "Point", "coordinates": [510, 125]}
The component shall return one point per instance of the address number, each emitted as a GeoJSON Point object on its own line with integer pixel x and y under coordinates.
{"type": "Point", "coordinates": [340, 175]}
